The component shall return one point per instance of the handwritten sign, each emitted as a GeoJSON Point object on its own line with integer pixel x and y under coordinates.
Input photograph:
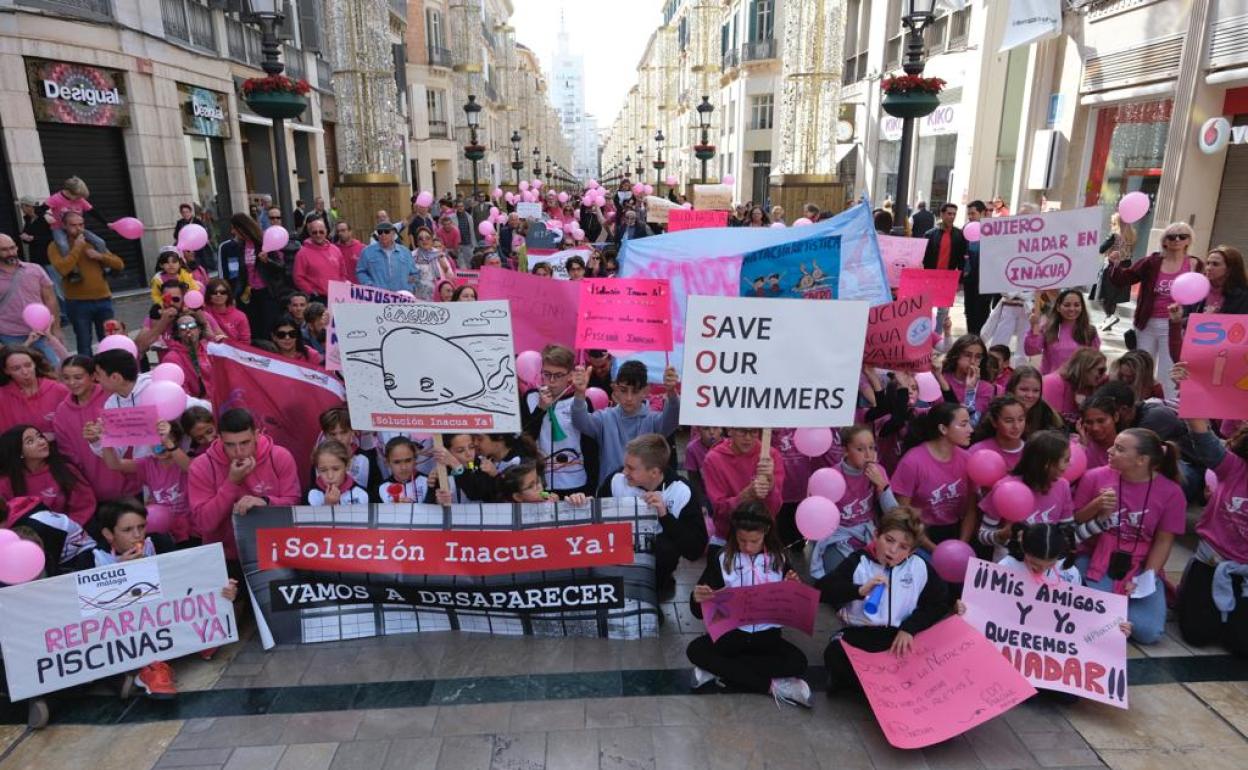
{"type": "Point", "coordinates": [130, 426]}
{"type": "Point", "coordinates": [344, 291]}
{"type": "Point", "coordinates": [805, 269]}
{"type": "Point", "coordinates": [692, 219]}
{"type": "Point", "coordinates": [1040, 251]}
{"type": "Point", "coordinates": [940, 286]}
{"type": "Point", "coordinates": [750, 362]}
{"type": "Point", "coordinates": [712, 197]}
{"type": "Point", "coordinates": [786, 603]}
{"type": "Point", "coordinates": [657, 209]}
{"type": "Point", "coordinates": [951, 681]}
{"type": "Point", "coordinates": [559, 261]}
{"type": "Point", "coordinates": [528, 210]}
{"type": "Point", "coordinates": [898, 253]}
{"type": "Point", "coordinates": [1215, 348]}
{"type": "Point", "coordinates": [899, 335]}
{"type": "Point", "coordinates": [543, 311]}
{"type": "Point", "coordinates": [1060, 636]}
{"type": "Point", "coordinates": [625, 314]}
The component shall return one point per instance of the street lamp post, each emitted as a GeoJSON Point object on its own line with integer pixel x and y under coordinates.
{"type": "Point", "coordinates": [548, 171]}
{"type": "Point", "coordinates": [268, 14]}
{"type": "Point", "coordinates": [537, 162]}
{"type": "Point", "coordinates": [704, 151]}
{"type": "Point", "coordinates": [920, 15]}
{"type": "Point", "coordinates": [473, 151]}
{"type": "Point", "coordinates": [516, 163]}
{"type": "Point", "coordinates": [658, 161]}
{"type": "Point", "coordinates": [641, 163]}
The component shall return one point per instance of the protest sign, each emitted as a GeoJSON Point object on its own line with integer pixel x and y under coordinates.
{"type": "Point", "coordinates": [692, 219]}
{"type": "Point", "coordinates": [430, 366]}
{"type": "Point", "coordinates": [786, 603]}
{"type": "Point", "coordinates": [1215, 348]}
{"type": "Point", "coordinates": [129, 426]}
{"type": "Point", "coordinates": [940, 286]}
{"type": "Point", "coordinates": [542, 239]}
{"type": "Point", "coordinates": [781, 271]}
{"type": "Point", "coordinates": [1060, 636]}
{"type": "Point", "coordinates": [529, 210]}
{"type": "Point", "coordinates": [357, 571]}
{"type": "Point", "coordinates": [343, 291]}
{"type": "Point", "coordinates": [899, 335]}
{"type": "Point", "coordinates": [466, 277]}
{"type": "Point", "coordinates": [754, 362]}
{"type": "Point", "coordinates": [899, 252]}
{"type": "Point", "coordinates": [657, 209]}
{"type": "Point", "coordinates": [712, 197]}
{"type": "Point", "coordinates": [624, 314]}
{"type": "Point", "coordinates": [558, 261]}
{"type": "Point", "coordinates": [83, 626]}
{"type": "Point", "coordinates": [543, 311]}
{"type": "Point", "coordinates": [951, 680]}
{"type": "Point", "coordinates": [1040, 251]}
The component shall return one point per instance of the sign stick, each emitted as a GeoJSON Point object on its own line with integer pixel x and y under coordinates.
{"type": "Point", "coordinates": [764, 447]}
{"type": "Point", "coordinates": [443, 482]}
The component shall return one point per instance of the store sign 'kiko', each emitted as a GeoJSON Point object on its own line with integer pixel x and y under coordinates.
{"type": "Point", "coordinates": [91, 96]}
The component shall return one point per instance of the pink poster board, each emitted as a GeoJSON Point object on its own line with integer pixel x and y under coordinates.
{"type": "Point", "coordinates": [1059, 636]}
{"type": "Point", "coordinates": [899, 334]}
{"type": "Point", "coordinates": [1215, 348]}
{"type": "Point", "coordinates": [543, 311]}
{"type": "Point", "coordinates": [787, 603]}
{"type": "Point", "coordinates": [692, 219]}
{"type": "Point", "coordinates": [625, 314]}
{"type": "Point", "coordinates": [898, 253]}
{"type": "Point", "coordinates": [940, 286]}
{"type": "Point", "coordinates": [345, 291]}
{"type": "Point", "coordinates": [130, 426]}
{"type": "Point", "coordinates": [951, 681]}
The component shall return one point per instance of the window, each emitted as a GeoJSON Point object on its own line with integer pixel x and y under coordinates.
{"type": "Point", "coordinates": [761, 111]}
{"type": "Point", "coordinates": [959, 27]}
{"type": "Point", "coordinates": [732, 117]}
{"type": "Point", "coordinates": [857, 34]}
{"type": "Point", "coordinates": [762, 20]}
{"type": "Point", "coordinates": [435, 101]}
{"type": "Point", "coordinates": [433, 28]}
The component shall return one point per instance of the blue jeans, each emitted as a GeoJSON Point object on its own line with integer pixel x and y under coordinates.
{"type": "Point", "coordinates": [88, 314]}
{"type": "Point", "coordinates": [1147, 615]}
{"type": "Point", "coordinates": [41, 345]}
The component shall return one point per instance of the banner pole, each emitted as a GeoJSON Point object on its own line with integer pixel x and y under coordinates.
{"type": "Point", "coordinates": [764, 449]}
{"type": "Point", "coordinates": [443, 481]}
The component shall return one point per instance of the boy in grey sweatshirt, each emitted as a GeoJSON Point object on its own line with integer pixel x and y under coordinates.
{"type": "Point", "coordinates": [617, 425]}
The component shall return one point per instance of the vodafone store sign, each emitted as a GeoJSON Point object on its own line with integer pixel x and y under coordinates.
{"type": "Point", "coordinates": [1218, 132]}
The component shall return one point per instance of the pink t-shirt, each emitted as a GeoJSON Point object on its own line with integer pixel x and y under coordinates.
{"type": "Point", "coordinates": [37, 409]}
{"type": "Point", "coordinates": [1161, 295]}
{"type": "Point", "coordinates": [797, 466]}
{"type": "Point", "coordinates": [1098, 456]}
{"type": "Point", "coordinates": [253, 275]}
{"type": "Point", "coordinates": [58, 205]}
{"type": "Point", "coordinates": [1011, 456]}
{"type": "Point", "coordinates": [984, 393]}
{"type": "Point", "coordinates": [695, 453]}
{"type": "Point", "coordinates": [937, 489]}
{"type": "Point", "coordinates": [1224, 524]}
{"type": "Point", "coordinates": [30, 281]}
{"type": "Point", "coordinates": [1058, 351]}
{"type": "Point", "coordinates": [858, 503]}
{"type": "Point", "coordinates": [1052, 507]}
{"type": "Point", "coordinates": [1144, 508]}
{"type": "Point", "coordinates": [167, 485]}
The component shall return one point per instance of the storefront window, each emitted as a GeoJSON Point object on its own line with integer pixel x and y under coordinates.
{"type": "Point", "coordinates": [934, 169]}
{"type": "Point", "coordinates": [1127, 156]}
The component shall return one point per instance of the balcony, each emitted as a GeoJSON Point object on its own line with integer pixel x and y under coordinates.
{"type": "Point", "coordinates": [491, 92]}
{"type": "Point", "coordinates": [399, 8]}
{"type": "Point", "coordinates": [189, 22]}
{"type": "Point", "coordinates": [243, 41]}
{"type": "Point", "coordinates": [439, 130]}
{"type": "Point", "coordinates": [324, 75]}
{"type": "Point", "coordinates": [293, 59]}
{"type": "Point", "coordinates": [757, 50]}
{"type": "Point", "coordinates": [732, 59]}
{"type": "Point", "coordinates": [440, 57]}
{"type": "Point", "coordinates": [90, 9]}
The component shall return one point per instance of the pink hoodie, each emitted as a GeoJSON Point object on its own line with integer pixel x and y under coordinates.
{"type": "Point", "coordinates": [213, 495]}
{"type": "Point", "coordinates": [81, 503]}
{"type": "Point", "coordinates": [16, 408]}
{"type": "Point", "coordinates": [68, 422]}
{"type": "Point", "coordinates": [351, 257]}
{"type": "Point", "coordinates": [199, 386]}
{"type": "Point", "coordinates": [726, 473]}
{"type": "Point", "coordinates": [233, 323]}
{"type": "Point", "coordinates": [316, 266]}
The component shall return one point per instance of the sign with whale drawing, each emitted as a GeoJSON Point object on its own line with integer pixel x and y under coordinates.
{"type": "Point", "coordinates": [1040, 251]}
{"type": "Point", "coordinates": [445, 367]}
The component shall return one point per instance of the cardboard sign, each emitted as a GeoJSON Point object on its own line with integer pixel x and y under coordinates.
{"type": "Point", "coordinates": [899, 335]}
{"type": "Point", "coordinates": [758, 363]}
{"type": "Point", "coordinates": [809, 269]}
{"type": "Point", "coordinates": [657, 209]}
{"type": "Point", "coordinates": [558, 261]}
{"type": "Point", "coordinates": [542, 238]}
{"type": "Point", "coordinates": [786, 603]}
{"type": "Point", "coordinates": [129, 426]}
{"type": "Point", "coordinates": [529, 210]}
{"type": "Point", "coordinates": [951, 681]}
{"type": "Point", "coordinates": [624, 314]}
{"type": "Point", "coordinates": [83, 626]}
{"type": "Point", "coordinates": [898, 253]}
{"type": "Point", "coordinates": [343, 291]}
{"type": "Point", "coordinates": [543, 311]}
{"type": "Point", "coordinates": [1215, 348]}
{"type": "Point", "coordinates": [712, 197]}
{"type": "Point", "coordinates": [430, 367]}
{"type": "Point", "coordinates": [692, 219]}
{"type": "Point", "coordinates": [940, 286]}
{"type": "Point", "coordinates": [1060, 636]}
{"type": "Point", "coordinates": [1040, 251]}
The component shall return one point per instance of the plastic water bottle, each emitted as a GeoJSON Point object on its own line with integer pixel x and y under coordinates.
{"type": "Point", "coordinates": [873, 600]}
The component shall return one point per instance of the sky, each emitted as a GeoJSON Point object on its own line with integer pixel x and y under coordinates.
{"type": "Point", "coordinates": [611, 37]}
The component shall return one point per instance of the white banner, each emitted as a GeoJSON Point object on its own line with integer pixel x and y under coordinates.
{"type": "Point", "coordinates": [1040, 251]}
{"type": "Point", "coordinates": [558, 261]}
{"type": "Point", "coordinates": [76, 628]}
{"type": "Point", "coordinates": [529, 210]}
{"type": "Point", "coordinates": [1030, 21]}
{"type": "Point", "coordinates": [430, 367]}
{"type": "Point", "coordinates": [758, 363]}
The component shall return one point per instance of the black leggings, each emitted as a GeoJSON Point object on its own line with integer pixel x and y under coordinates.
{"type": "Point", "coordinates": [1200, 621]}
{"type": "Point", "coordinates": [748, 661]}
{"type": "Point", "coordinates": [840, 671]}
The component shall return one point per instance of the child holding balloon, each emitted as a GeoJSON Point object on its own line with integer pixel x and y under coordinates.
{"type": "Point", "coordinates": [166, 484]}
{"type": "Point", "coordinates": [864, 494]}
{"type": "Point", "coordinates": [1034, 492]}
{"type": "Point", "coordinates": [932, 475]}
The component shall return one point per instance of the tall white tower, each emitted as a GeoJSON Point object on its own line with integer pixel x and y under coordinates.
{"type": "Point", "coordinates": [568, 95]}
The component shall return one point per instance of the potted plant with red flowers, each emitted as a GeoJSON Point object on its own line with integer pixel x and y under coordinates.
{"type": "Point", "coordinates": [911, 96]}
{"type": "Point", "coordinates": [276, 96]}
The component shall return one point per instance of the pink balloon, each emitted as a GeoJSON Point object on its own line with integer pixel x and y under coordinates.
{"type": "Point", "coordinates": [424, 199]}
{"type": "Point", "coordinates": [168, 372]}
{"type": "Point", "coordinates": [168, 398]}
{"type": "Point", "coordinates": [496, 193]}
{"type": "Point", "coordinates": [593, 183]}
{"type": "Point", "coordinates": [1189, 288]}
{"type": "Point", "coordinates": [777, 224]}
{"type": "Point", "coordinates": [950, 559]}
{"type": "Point", "coordinates": [1013, 500]}
{"type": "Point", "coordinates": [127, 227]}
{"type": "Point", "coordinates": [7, 536]}
{"type": "Point", "coordinates": [729, 179]}
{"type": "Point", "coordinates": [597, 397]}
{"type": "Point", "coordinates": [802, 222]}
{"type": "Point", "coordinates": [1078, 462]}
{"type": "Point", "coordinates": [37, 317]}
{"type": "Point", "coordinates": [813, 442]}
{"type": "Point", "coordinates": [929, 388]}
{"type": "Point", "coordinates": [817, 518]}
{"type": "Point", "coordinates": [985, 467]}
{"type": "Point", "coordinates": [524, 185]}
{"type": "Point", "coordinates": [537, 184]}
{"type": "Point", "coordinates": [638, 189]}
{"type": "Point", "coordinates": [20, 562]}
{"type": "Point", "coordinates": [648, 190]}
{"type": "Point", "coordinates": [971, 231]}
{"type": "Point", "coordinates": [194, 299]}
{"type": "Point", "coordinates": [192, 238]}
{"type": "Point", "coordinates": [1133, 207]}
{"type": "Point", "coordinates": [486, 227]}
{"type": "Point", "coordinates": [1211, 481]}
{"type": "Point", "coordinates": [563, 197]}
{"type": "Point", "coordinates": [578, 234]}
{"type": "Point", "coordinates": [529, 367]}
{"type": "Point", "coordinates": [275, 238]}
{"type": "Point", "coordinates": [494, 211]}
{"type": "Point", "coordinates": [159, 519]}
{"type": "Point", "coordinates": [118, 342]}
{"type": "Point", "coordinates": [671, 180]}
{"type": "Point", "coordinates": [826, 482]}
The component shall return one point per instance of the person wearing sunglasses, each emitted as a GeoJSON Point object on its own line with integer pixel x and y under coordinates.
{"type": "Point", "coordinates": [288, 339]}
{"type": "Point", "coordinates": [221, 308]}
{"type": "Point", "coordinates": [158, 328]}
{"type": "Point", "coordinates": [188, 350]}
{"type": "Point", "coordinates": [1156, 274]}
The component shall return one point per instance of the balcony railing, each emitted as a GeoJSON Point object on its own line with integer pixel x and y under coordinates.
{"type": "Point", "coordinates": [243, 41]}
{"type": "Point", "coordinates": [732, 58]}
{"type": "Point", "coordinates": [190, 23]}
{"type": "Point", "coordinates": [438, 129]}
{"type": "Point", "coordinates": [440, 57]}
{"type": "Point", "coordinates": [91, 9]}
{"type": "Point", "coordinates": [324, 75]}
{"type": "Point", "coordinates": [756, 50]}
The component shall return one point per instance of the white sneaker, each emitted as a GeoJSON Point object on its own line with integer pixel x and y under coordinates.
{"type": "Point", "coordinates": [791, 690]}
{"type": "Point", "coordinates": [702, 677]}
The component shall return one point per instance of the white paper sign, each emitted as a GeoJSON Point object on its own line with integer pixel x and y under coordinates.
{"type": "Point", "coordinates": [558, 261]}
{"type": "Point", "coordinates": [1040, 251]}
{"type": "Point", "coordinates": [84, 626]}
{"type": "Point", "coordinates": [712, 197]}
{"type": "Point", "coordinates": [1029, 21]}
{"type": "Point", "coordinates": [772, 363]}
{"type": "Point", "coordinates": [431, 367]}
{"type": "Point", "coordinates": [657, 208]}
{"type": "Point", "coordinates": [529, 210]}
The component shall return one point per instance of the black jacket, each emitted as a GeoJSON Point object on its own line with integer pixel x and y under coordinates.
{"type": "Point", "coordinates": [839, 589]}
{"type": "Point", "coordinates": [38, 228]}
{"type": "Point", "coordinates": [686, 528]}
{"type": "Point", "coordinates": [921, 221]}
{"type": "Point", "coordinates": [957, 251]}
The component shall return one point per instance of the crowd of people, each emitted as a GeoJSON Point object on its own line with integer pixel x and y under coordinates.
{"type": "Point", "coordinates": [1035, 393]}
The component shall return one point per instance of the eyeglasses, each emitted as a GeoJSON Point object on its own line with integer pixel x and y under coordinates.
{"type": "Point", "coordinates": [552, 376]}
{"type": "Point", "coordinates": [222, 292]}
{"type": "Point", "coordinates": [187, 326]}
{"type": "Point", "coordinates": [172, 298]}
{"type": "Point", "coordinates": [285, 335]}
{"type": "Point", "coordinates": [1179, 237]}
